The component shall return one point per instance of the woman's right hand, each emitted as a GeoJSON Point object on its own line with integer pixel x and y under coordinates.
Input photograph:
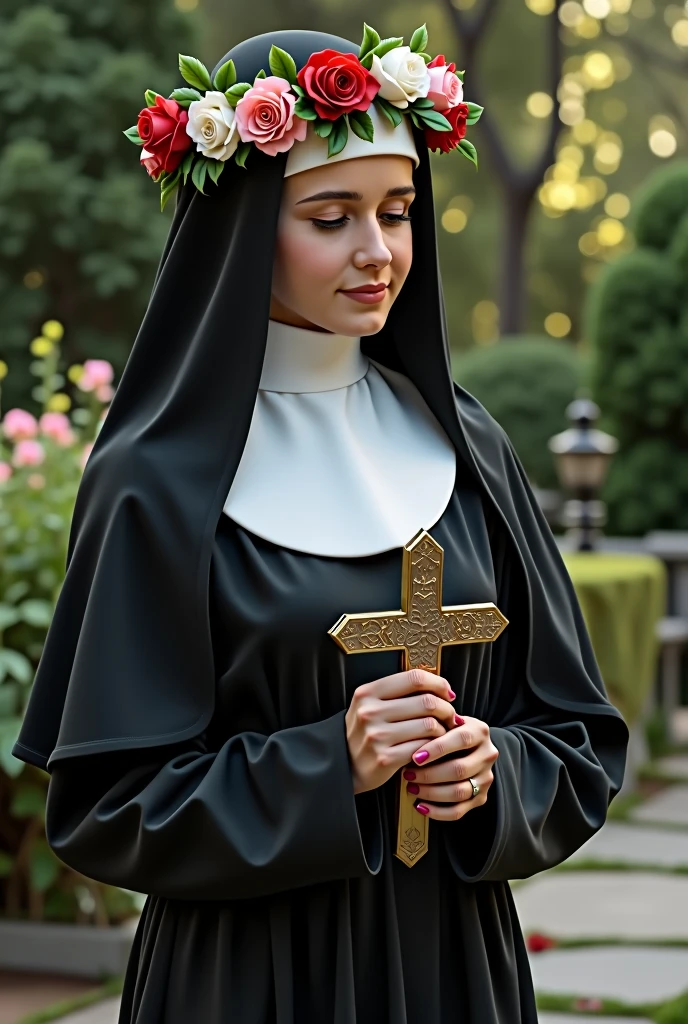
{"type": "Point", "coordinates": [390, 718]}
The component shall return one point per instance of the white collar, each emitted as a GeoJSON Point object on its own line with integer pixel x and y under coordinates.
{"type": "Point", "coordinates": [300, 361]}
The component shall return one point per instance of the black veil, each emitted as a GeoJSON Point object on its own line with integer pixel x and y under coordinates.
{"type": "Point", "coordinates": [128, 660]}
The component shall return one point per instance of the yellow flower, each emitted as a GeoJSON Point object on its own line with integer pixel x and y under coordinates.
{"type": "Point", "coordinates": [59, 403]}
{"type": "Point", "coordinates": [41, 346]}
{"type": "Point", "coordinates": [75, 373]}
{"type": "Point", "coordinates": [53, 329]}
{"type": "Point", "coordinates": [3, 369]}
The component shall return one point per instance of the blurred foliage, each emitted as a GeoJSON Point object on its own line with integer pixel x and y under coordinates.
{"type": "Point", "coordinates": [526, 384]}
{"type": "Point", "coordinates": [80, 227]}
{"type": "Point", "coordinates": [40, 469]}
{"type": "Point", "coordinates": [638, 321]}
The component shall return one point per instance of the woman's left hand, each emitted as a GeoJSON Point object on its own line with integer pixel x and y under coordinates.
{"type": "Point", "coordinates": [444, 788]}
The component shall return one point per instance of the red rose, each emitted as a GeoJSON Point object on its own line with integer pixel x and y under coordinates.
{"type": "Point", "coordinates": [439, 61]}
{"type": "Point", "coordinates": [337, 83]}
{"type": "Point", "coordinates": [163, 131]}
{"type": "Point", "coordinates": [537, 943]}
{"type": "Point", "coordinates": [446, 141]}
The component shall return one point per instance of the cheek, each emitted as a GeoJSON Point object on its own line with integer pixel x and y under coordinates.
{"type": "Point", "coordinates": [401, 248]}
{"type": "Point", "coordinates": [305, 255]}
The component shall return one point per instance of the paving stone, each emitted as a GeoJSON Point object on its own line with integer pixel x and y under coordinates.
{"type": "Point", "coordinates": [638, 975]}
{"type": "Point", "coordinates": [676, 766]}
{"type": "Point", "coordinates": [625, 904]}
{"type": "Point", "coordinates": [670, 807]}
{"type": "Point", "coordinates": [577, 1018]}
{"type": "Point", "coordinates": [636, 844]}
{"type": "Point", "coordinates": [105, 1012]}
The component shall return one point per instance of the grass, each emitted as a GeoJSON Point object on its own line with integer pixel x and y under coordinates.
{"type": "Point", "coordinates": [590, 864]}
{"type": "Point", "coordinates": [674, 1011]}
{"type": "Point", "coordinates": [110, 987]}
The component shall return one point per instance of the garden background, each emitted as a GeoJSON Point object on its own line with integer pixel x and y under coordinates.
{"type": "Point", "coordinates": [565, 262]}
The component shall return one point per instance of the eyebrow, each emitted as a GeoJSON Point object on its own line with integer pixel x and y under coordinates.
{"type": "Point", "coordinates": [400, 190]}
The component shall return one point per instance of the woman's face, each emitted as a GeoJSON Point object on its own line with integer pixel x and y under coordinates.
{"type": "Point", "coordinates": [343, 245]}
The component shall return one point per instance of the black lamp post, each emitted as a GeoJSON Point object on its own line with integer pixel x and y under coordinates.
{"type": "Point", "coordinates": [582, 456]}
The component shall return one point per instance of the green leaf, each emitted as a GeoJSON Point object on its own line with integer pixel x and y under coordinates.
{"type": "Point", "coordinates": [185, 97]}
{"type": "Point", "coordinates": [6, 864]}
{"type": "Point", "coordinates": [186, 163]}
{"type": "Point", "coordinates": [168, 187]}
{"type": "Point", "coordinates": [199, 173]}
{"type": "Point", "coordinates": [383, 47]}
{"type": "Point", "coordinates": [362, 125]}
{"type": "Point", "coordinates": [298, 90]}
{"type": "Point", "coordinates": [150, 97]}
{"type": "Point", "coordinates": [338, 137]}
{"type": "Point", "coordinates": [44, 867]}
{"type": "Point", "coordinates": [133, 135]}
{"type": "Point", "coordinates": [194, 72]}
{"type": "Point", "coordinates": [215, 169]}
{"type": "Point", "coordinates": [416, 119]}
{"type": "Point", "coordinates": [16, 665]}
{"type": "Point", "coordinates": [261, 74]}
{"type": "Point", "coordinates": [426, 57]}
{"type": "Point", "coordinates": [28, 801]}
{"type": "Point", "coordinates": [9, 616]}
{"type": "Point", "coordinates": [475, 112]}
{"type": "Point", "coordinates": [37, 613]}
{"type": "Point", "coordinates": [16, 590]}
{"type": "Point", "coordinates": [433, 119]}
{"type": "Point", "coordinates": [323, 128]}
{"type": "Point", "coordinates": [469, 151]}
{"type": "Point", "coordinates": [235, 92]}
{"type": "Point", "coordinates": [242, 151]}
{"type": "Point", "coordinates": [9, 731]}
{"type": "Point", "coordinates": [419, 39]}
{"type": "Point", "coordinates": [282, 64]}
{"type": "Point", "coordinates": [391, 112]}
{"type": "Point", "coordinates": [370, 40]}
{"type": "Point", "coordinates": [226, 76]}
{"type": "Point", "coordinates": [305, 111]}
{"type": "Point", "coordinates": [423, 104]}
{"type": "Point", "coordinates": [460, 75]}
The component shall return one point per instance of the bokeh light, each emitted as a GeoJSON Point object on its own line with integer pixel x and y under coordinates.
{"type": "Point", "coordinates": [571, 13]}
{"type": "Point", "coordinates": [643, 8]}
{"type": "Point", "coordinates": [33, 279]}
{"type": "Point", "coordinates": [454, 220]}
{"type": "Point", "coordinates": [589, 243]}
{"type": "Point", "coordinates": [585, 132]}
{"type": "Point", "coordinates": [597, 8]}
{"type": "Point", "coordinates": [620, 6]}
{"type": "Point", "coordinates": [485, 322]}
{"type": "Point", "coordinates": [617, 205]}
{"type": "Point", "coordinates": [610, 231]}
{"type": "Point", "coordinates": [662, 143]}
{"type": "Point", "coordinates": [539, 104]}
{"type": "Point", "coordinates": [540, 6]}
{"type": "Point", "coordinates": [679, 32]}
{"type": "Point", "coordinates": [558, 325]}
{"type": "Point", "coordinates": [598, 70]}
{"type": "Point", "coordinates": [186, 5]}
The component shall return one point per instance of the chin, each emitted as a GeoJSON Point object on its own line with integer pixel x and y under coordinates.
{"type": "Point", "coordinates": [368, 321]}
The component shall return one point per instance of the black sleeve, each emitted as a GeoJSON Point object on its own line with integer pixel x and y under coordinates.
{"type": "Point", "coordinates": [261, 815]}
{"type": "Point", "coordinates": [551, 785]}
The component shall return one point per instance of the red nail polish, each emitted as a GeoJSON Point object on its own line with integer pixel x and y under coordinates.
{"type": "Point", "coordinates": [413, 788]}
{"type": "Point", "coordinates": [458, 720]}
{"type": "Point", "coordinates": [409, 776]}
{"type": "Point", "coordinates": [421, 756]}
{"type": "Point", "coordinates": [422, 809]}
{"type": "Point", "coordinates": [452, 695]}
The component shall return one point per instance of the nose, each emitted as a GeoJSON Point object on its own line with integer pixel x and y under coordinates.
{"type": "Point", "coordinates": [372, 250]}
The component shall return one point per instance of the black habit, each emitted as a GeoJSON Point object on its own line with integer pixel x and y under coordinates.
{"type": "Point", "coordinates": [190, 706]}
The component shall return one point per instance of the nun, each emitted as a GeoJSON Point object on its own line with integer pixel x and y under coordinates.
{"type": "Point", "coordinates": [285, 425]}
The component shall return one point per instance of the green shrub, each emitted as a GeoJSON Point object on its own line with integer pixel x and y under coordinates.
{"type": "Point", "coordinates": [638, 323]}
{"type": "Point", "coordinates": [526, 384]}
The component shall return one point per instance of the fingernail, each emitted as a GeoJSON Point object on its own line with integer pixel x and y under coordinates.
{"type": "Point", "coordinates": [421, 756]}
{"type": "Point", "coordinates": [413, 788]}
{"type": "Point", "coordinates": [458, 720]}
{"type": "Point", "coordinates": [452, 695]}
{"type": "Point", "coordinates": [422, 809]}
{"type": "Point", "coordinates": [409, 776]}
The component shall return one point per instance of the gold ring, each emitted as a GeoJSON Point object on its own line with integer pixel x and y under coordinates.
{"type": "Point", "coordinates": [476, 788]}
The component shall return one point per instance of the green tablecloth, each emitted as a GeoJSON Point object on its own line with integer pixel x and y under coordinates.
{"type": "Point", "coordinates": [622, 597]}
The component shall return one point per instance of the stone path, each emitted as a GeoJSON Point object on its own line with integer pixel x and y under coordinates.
{"type": "Point", "coordinates": [632, 975]}
{"type": "Point", "coordinates": [605, 904]}
{"type": "Point", "coordinates": [669, 807]}
{"type": "Point", "coordinates": [676, 766]}
{"type": "Point", "coordinates": [622, 843]}
{"type": "Point", "coordinates": [575, 1018]}
{"type": "Point", "coordinates": [103, 1013]}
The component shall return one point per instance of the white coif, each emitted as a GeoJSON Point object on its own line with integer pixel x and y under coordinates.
{"type": "Point", "coordinates": [343, 457]}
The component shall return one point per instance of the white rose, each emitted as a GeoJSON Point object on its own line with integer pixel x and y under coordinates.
{"type": "Point", "coordinates": [212, 126]}
{"type": "Point", "coordinates": [402, 75]}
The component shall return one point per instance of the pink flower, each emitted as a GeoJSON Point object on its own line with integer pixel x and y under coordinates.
{"type": "Point", "coordinates": [36, 481]}
{"type": "Point", "coordinates": [265, 115]}
{"type": "Point", "coordinates": [28, 453]}
{"type": "Point", "coordinates": [19, 424]}
{"type": "Point", "coordinates": [446, 88]}
{"type": "Point", "coordinates": [105, 393]}
{"type": "Point", "coordinates": [96, 372]}
{"type": "Point", "coordinates": [54, 424]}
{"type": "Point", "coordinates": [88, 448]}
{"type": "Point", "coordinates": [5, 472]}
{"type": "Point", "coordinates": [589, 1005]}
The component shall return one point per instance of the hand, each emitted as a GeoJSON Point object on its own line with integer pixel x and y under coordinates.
{"type": "Point", "coordinates": [390, 718]}
{"type": "Point", "coordinates": [441, 787]}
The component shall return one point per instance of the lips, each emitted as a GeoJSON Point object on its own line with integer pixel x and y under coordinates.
{"type": "Point", "coordinates": [368, 293]}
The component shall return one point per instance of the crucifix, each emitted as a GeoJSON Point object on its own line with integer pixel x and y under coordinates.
{"type": "Point", "coordinates": [420, 629]}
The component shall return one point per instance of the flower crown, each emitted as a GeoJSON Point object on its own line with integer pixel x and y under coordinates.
{"type": "Point", "coordinates": [334, 90]}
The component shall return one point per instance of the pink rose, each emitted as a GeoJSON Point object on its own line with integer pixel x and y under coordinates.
{"type": "Point", "coordinates": [265, 115]}
{"type": "Point", "coordinates": [96, 373]}
{"type": "Point", "coordinates": [105, 393]}
{"type": "Point", "coordinates": [5, 472]}
{"type": "Point", "coordinates": [28, 453]}
{"type": "Point", "coordinates": [446, 88]}
{"type": "Point", "coordinates": [54, 424]}
{"type": "Point", "coordinates": [19, 424]}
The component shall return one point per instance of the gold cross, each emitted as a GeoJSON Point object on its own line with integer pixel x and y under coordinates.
{"type": "Point", "coordinates": [421, 628]}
